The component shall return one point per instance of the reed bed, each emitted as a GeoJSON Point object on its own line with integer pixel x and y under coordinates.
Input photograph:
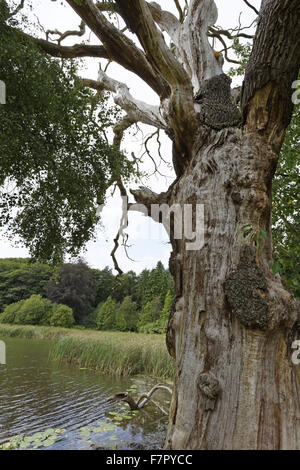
{"type": "Point", "coordinates": [116, 353]}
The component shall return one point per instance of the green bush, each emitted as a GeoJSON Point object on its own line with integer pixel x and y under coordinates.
{"type": "Point", "coordinates": [62, 316]}
{"type": "Point", "coordinates": [106, 317]}
{"type": "Point", "coordinates": [38, 311]}
{"type": "Point", "coordinates": [34, 311]}
{"type": "Point", "coordinates": [10, 312]}
{"type": "Point", "coordinates": [158, 327]}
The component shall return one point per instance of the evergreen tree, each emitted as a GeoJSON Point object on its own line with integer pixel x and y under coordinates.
{"type": "Point", "coordinates": [151, 313]}
{"type": "Point", "coordinates": [125, 285]}
{"type": "Point", "coordinates": [143, 290]}
{"type": "Point", "coordinates": [128, 311]}
{"type": "Point", "coordinates": [106, 318]}
{"type": "Point", "coordinates": [167, 307]}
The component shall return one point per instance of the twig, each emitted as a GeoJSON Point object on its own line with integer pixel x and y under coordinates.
{"type": "Point", "coordinates": [66, 34]}
{"type": "Point", "coordinates": [251, 6]}
{"type": "Point", "coordinates": [17, 9]}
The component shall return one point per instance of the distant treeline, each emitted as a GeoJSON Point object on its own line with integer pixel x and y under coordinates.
{"type": "Point", "coordinates": [35, 293]}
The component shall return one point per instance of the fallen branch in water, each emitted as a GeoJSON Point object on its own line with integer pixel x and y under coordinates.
{"type": "Point", "coordinates": [143, 399]}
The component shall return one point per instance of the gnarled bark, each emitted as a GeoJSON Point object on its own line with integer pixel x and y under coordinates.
{"type": "Point", "coordinates": [231, 328]}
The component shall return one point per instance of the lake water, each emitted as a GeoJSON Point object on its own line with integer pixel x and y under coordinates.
{"type": "Point", "coordinates": [38, 394]}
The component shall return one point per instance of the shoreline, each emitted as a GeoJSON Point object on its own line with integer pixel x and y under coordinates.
{"type": "Point", "coordinates": [113, 353]}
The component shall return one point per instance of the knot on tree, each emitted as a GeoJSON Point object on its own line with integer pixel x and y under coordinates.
{"type": "Point", "coordinates": [217, 109]}
{"type": "Point", "coordinates": [241, 289]}
{"type": "Point", "coordinates": [210, 388]}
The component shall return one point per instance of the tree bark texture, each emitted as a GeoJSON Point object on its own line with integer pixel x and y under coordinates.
{"type": "Point", "coordinates": [232, 323]}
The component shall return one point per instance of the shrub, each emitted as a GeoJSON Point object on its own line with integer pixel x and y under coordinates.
{"type": "Point", "coordinates": [10, 312]}
{"type": "Point", "coordinates": [159, 327]}
{"type": "Point", "coordinates": [62, 316]}
{"type": "Point", "coordinates": [106, 317]}
{"type": "Point", "coordinates": [38, 311]}
{"type": "Point", "coordinates": [34, 311]}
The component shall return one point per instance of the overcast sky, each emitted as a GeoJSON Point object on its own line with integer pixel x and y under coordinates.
{"type": "Point", "coordinates": [148, 240]}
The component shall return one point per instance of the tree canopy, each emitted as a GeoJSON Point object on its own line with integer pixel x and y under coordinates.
{"type": "Point", "coordinates": [58, 164]}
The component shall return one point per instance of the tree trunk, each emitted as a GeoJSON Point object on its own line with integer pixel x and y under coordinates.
{"type": "Point", "coordinates": [232, 323]}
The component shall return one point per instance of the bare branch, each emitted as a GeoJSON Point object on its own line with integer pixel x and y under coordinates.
{"type": "Point", "coordinates": [66, 34]}
{"type": "Point", "coordinates": [67, 52]}
{"type": "Point", "coordinates": [216, 31]}
{"type": "Point", "coordinates": [198, 55]}
{"type": "Point", "coordinates": [107, 6]}
{"type": "Point", "coordinates": [166, 21]}
{"type": "Point", "coordinates": [222, 41]}
{"type": "Point", "coordinates": [139, 19]}
{"type": "Point", "coordinates": [119, 47]}
{"type": "Point", "coordinates": [17, 9]}
{"type": "Point", "coordinates": [70, 52]}
{"type": "Point", "coordinates": [180, 106]}
{"type": "Point", "coordinates": [136, 109]}
{"type": "Point", "coordinates": [123, 226]}
{"type": "Point", "coordinates": [119, 130]}
{"type": "Point", "coordinates": [179, 9]}
{"type": "Point", "coordinates": [141, 403]}
{"type": "Point", "coordinates": [143, 399]}
{"type": "Point", "coordinates": [251, 6]}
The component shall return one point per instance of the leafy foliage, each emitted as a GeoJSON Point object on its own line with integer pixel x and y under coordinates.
{"type": "Point", "coordinates": [57, 164]}
{"type": "Point", "coordinates": [20, 278]}
{"type": "Point", "coordinates": [62, 316]}
{"type": "Point", "coordinates": [106, 317]}
{"type": "Point", "coordinates": [10, 312]}
{"type": "Point", "coordinates": [74, 286]}
{"type": "Point", "coordinates": [154, 283]}
{"type": "Point", "coordinates": [86, 291]}
{"type": "Point", "coordinates": [286, 209]}
{"type": "Point", "coordinates": [242, 51]}
{"type": "Point", "coordinates": [127, 315]}
{"type": "Point", "coordinates": [40, 439]}
{"type": "Point", "coordinates": [154, 319]}
{"type": "Point", "coordinates": [37, 311]}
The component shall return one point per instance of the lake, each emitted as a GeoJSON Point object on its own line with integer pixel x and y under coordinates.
{"type": "Point", "coordinates": [58, 406]}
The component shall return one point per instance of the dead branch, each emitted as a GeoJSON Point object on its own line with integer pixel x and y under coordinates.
{"type": "Point", "coordinates": [251, 6]}
{"type": "Point", "coordinates": [17, 9]}
{"type": "Point", "coordinates": [180, 11]}
{"type": "Point", "coordinates": [71, 52]}
{"type": "Point", "coordinates": [119, 47]}
{"type": "Point", "coordinates": [66, 34]}
{"type": "Point", "coordinates": [119, 130]}
{"type": "Point", "coordinates": [142, 400]}
{"type": "Point", "coordinates": [136, 109]}
{"type": "Point", "coordinates": [181, 105]}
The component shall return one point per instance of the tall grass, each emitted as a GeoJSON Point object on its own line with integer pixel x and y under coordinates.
{"type": "Point", "coordinates": [108, 352]}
